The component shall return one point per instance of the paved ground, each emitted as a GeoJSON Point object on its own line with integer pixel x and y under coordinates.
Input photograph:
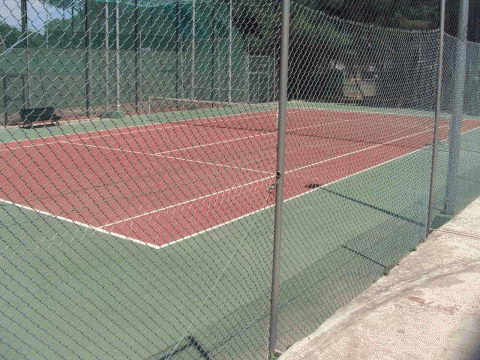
{"type": "Point", "coordinates": [428, 307]}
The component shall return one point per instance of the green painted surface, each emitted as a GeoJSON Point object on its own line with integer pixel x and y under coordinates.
{"type": "Point", "coordinates": [68, 291]}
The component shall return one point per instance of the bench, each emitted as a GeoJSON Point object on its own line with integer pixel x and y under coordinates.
{"type": "Point", "coordinates": [31, 116]}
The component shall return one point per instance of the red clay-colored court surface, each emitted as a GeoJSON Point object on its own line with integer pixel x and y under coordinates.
{"type": "Point", "coordinates": [161, 183]}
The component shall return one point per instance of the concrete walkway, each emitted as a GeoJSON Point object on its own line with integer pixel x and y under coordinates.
{"type": "Point", "coordinates": [428, 307]}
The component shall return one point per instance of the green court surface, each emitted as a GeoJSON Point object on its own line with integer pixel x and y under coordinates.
{"type": "Point", "coordinates": [71, 292]}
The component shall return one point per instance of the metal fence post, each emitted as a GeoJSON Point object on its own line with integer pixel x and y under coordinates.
{"type": "Point", "coordinates": [25, 35]}
{"type": "Point", "coordinates": [117, 57]}
{"type": "Point", "coordinates": [438, 104]}
{"type": "Point", "coordinates": [177, 50]}
{"type": "Point", "coordinates": [230, 42]}
{"type": "Point", "coordinates": [47, 22]}
{"type": "Point", "coordinates": [5, 100]}
{"type": "Point", "coordinates": [213, 54]}
{"type": "Point", "coordinates": [457, 116]}
{"type": "Point", "coordinates": [136, 64]}
{"type": "Point", "coordinates": [280, 179]}
{"type": "Point", "coordinates": [193, 44]}
{"type": "Point", "coordinates": [107, 60]}
{"type": "Point", "coordinates": [87, 59]}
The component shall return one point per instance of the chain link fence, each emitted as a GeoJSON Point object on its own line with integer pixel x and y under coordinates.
{"type": "Point", "coordinates": [212, 179]}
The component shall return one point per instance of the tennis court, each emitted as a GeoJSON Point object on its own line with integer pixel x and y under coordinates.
{"type": "Point", "coordinates": [194, 175]}
{"type": "Point", "coordinates": [142, 237]}
{"type": "Point", "coordinates": [147, 208]}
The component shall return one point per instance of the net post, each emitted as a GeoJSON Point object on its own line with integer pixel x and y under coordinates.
{"type": "Point", "coordinates": [457, 116]}
{"type": "Point", "coordinates": [280, 179]}
{"type": "Point", "coordinates": [438, 109]}
{"type": "Point", "coordinates": [87, 57]}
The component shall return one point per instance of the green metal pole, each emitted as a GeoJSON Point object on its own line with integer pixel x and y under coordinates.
{"type": "Point", "coordinates": [213, 56]}
{"type": "Point", "coordinates": [117, 57]}
{"type": "Point", "coordinates": [107, 55]}
{"type": "Point", "coordinates": [177, 50]}
{"type": "Point", "coordinates": [25, 40]}
{"type": "Point", "coordinates": [194, 34]}
{"type": "Point", "coordinates": [230, 50]}
{"type": "Point", "coordinates": [87, 58]}
{"type": "Point", "coordinates": [136, 65]}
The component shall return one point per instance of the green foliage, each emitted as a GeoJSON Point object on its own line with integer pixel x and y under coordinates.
{"type": "Point", "coordinates": [314, 27]}
{"type": "Point", "coordinates": [61, 4]}
{"type": "Point", "coordinates": [423, 13]}
{"type": "Point", "coordinates": [12, 37]}
{"type": "Point", "coordinates": [9, 35]}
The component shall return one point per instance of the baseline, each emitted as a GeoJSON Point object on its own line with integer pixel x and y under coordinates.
{"type": "Point", "coordinates": [78, 223]}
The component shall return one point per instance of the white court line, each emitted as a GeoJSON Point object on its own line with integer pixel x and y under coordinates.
{"type": "Point", "coordinates": [216, 164]}
{"type": "Point", "coordinates": [273, 132]}
{"type": "Point", "coordinates": [146, 128]}
{"type": "Point", "coordinates": [269, 133]}
{"type": "Point", "coordinates": [302, 194]}
{"type": "Point", "coordinates": [176, 124]}
{"type": "Point", "coordinates": [75, 140]}
{"type": "Point", "coordinates": [31, 145]}
{"type": "Point", "coordinates": [189, 201]}
{"type": "Point", "coordinates": [286, 200]}
{"type": "Point", "coordinates": [360, 150]}
{"type": "Point", "coordinates": [253, 182]}
{"type": "Point", "coordinates": [377, 112]}
{"type": "Point", "coordinates": [110, 132]}
{"type": "Point", "coordinates": [173, 124]}
{"type": "Point", "coordinates": [166, 157]}
{"type": "Point", "coordinates": [216, 226]}
{"type": "Point", "coordinates": [216, 143]}
{"type": "Point", "coordinates": [80, 224]}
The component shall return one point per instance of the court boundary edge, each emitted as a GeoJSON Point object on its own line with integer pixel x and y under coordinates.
{"type": "Point", "coordinates": [157, 247]}
{"type": "Point", "coordinates": [305, 193]}
{"type": "Point", "coordinates": [78, 223]}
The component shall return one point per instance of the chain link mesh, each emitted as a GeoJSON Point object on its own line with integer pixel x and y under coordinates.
{"type": "Point", "coordinates": [138, 163]}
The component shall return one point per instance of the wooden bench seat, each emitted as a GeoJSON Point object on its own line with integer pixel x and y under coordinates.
{"type": "Point", "coordinates": [32, 116]}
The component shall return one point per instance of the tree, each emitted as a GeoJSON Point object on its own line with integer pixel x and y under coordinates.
{"type": "Point", "coordinates": [320, 42]}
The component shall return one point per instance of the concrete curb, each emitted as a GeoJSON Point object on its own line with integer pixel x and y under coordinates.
{"type": "Point", "coordinates": [428, 307]}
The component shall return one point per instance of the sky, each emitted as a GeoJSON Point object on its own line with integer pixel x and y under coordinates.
{"type": "Point", "coordinates": [41, 12]}
{"type": "Point", "coordinates": [38, 14]}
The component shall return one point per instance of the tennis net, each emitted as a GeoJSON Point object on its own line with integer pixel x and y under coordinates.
{"type": "Point", "coordinates": [372, 128]}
